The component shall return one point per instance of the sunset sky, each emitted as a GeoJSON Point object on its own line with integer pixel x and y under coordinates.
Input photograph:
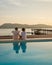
{"type": "Point", "coordinates": [26, 11]}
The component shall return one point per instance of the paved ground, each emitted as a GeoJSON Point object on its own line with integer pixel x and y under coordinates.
{"type": "Point", "coordinates": [27, 40]}
{"type": "Point", "coordinates": [28, 36]}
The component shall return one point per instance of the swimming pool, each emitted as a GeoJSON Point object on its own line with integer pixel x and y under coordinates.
{"type": "Point", "coordinates": [26, 53]}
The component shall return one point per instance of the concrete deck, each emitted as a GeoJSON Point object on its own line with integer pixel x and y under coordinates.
{"type": "Point", "coordinates": [27, 40]}
{"type": "Point", "coordinates": [28, 36]}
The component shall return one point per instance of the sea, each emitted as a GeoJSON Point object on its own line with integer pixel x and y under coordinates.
{"type": "Point", "coordinates": [9, 31]}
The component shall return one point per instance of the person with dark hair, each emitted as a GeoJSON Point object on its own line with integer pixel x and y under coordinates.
{"type": "Point", "coordinates": [16, 28]}
{"type": "Point", "coordinates": [23, 34]}
{"type": "Point", "coordinates": [15, 34]}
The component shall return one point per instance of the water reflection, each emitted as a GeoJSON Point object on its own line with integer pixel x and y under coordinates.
{"type": "Point", "coordinates": [17, 46]}
{"type": "Point", "coordinates": [23, 46]}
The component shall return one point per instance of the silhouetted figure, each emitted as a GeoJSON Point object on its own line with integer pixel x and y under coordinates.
{"type": "Point", "coordinates": [23, 46]}
{"type": "Point", "coordinates": [16, 47]}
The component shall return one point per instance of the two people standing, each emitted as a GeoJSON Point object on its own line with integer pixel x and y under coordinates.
{"type": "Point", "coordinates": [17, 35]}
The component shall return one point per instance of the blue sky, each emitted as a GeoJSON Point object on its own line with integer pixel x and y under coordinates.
{"type": "Point", "coordinates": [26, 11]}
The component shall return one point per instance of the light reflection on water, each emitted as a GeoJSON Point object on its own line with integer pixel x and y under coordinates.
{"type": "Point", "coordinates": [35, 53]}
{"type": "Point", "coordinates": [9, 31]}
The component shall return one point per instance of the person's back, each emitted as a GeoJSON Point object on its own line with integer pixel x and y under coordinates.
{"type": "Point", "coordinates": [23, 34]}
{"type": "Point", "coordinates": [15, 34]}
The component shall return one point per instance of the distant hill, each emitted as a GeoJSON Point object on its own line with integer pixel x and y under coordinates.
{"type": "Point", "coordinates": [9, 25]}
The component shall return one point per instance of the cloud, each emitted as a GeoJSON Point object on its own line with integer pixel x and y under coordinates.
{"type": "Point", "coordinates": [19, 3]}
{"type": "Point", "coordinates": [15, 2]}
{"type": "Point", "coordinates": [11, 3]}
{"type": "Point", "coordinates": [44, 0]}
{"type": "Point", "coordinates": [25, 6]}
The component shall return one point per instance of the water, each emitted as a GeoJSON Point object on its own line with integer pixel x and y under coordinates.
{"type": "Point", "coordinates": [30, 53]}
{"type": "Point", "coordinates": [9, 31]}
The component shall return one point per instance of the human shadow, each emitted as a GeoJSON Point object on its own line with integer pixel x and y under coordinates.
{"type": "Point", "coordinates": [16, 47]}
{"type": "Point", "coordinates": [23, 46]}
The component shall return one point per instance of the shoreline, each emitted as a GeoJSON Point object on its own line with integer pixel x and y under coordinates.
{"type": "Point", "coordinates": [28, 36]}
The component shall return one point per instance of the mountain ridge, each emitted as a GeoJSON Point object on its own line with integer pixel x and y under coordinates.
{"type": "Point", "coordinates": [10, 25]}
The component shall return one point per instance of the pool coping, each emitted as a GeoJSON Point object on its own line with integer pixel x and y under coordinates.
{"type": "Point", "coordinates": [27, 40]}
